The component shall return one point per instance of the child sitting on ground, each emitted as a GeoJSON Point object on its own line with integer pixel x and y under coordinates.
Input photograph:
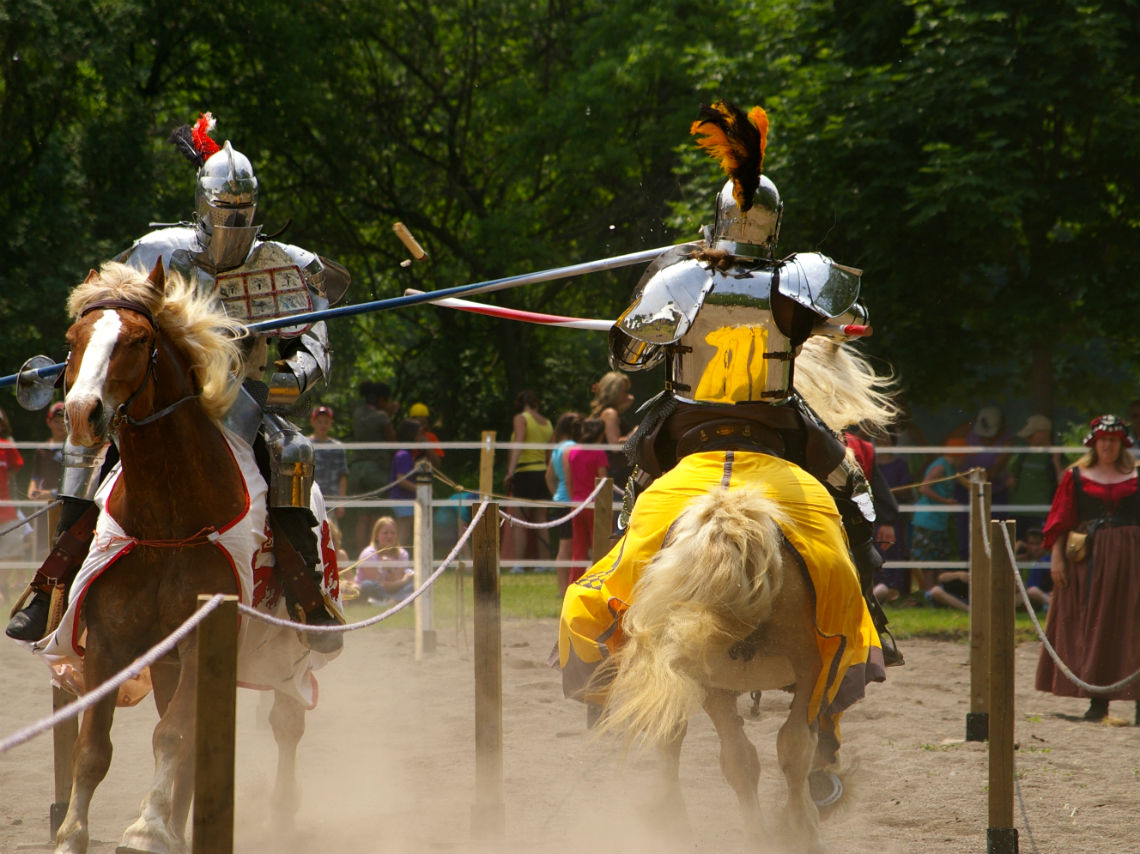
{"type": "Point", "coordinates": [382, 571]}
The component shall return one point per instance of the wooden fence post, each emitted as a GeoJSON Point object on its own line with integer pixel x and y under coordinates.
{"type": "Point", "coordinates": [64, 735]}
{"type": "Point", "coordinates": [1001, 835]}
{"type": "Point", "coordinates": [977, 720]}
{"type": "Point", "coordinates": [603, 518]}
{"type": "Point", "coordinates": [424, 558]}
{"type": "Point", "coordinates": [215, 719]}
{"type": "Point", "coordinates": [487, 465]}
{"type": "Point", "coordinates": [488, 817]}
{"type": "Point", "coordinates": [66, 732]}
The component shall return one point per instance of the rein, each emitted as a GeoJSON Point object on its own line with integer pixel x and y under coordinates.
{"type": "Point", "coordinates": [121, 414]}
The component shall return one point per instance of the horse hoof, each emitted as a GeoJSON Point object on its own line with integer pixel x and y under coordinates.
{"type": "Point", "coordinates": [826, 788]}
{"type": "Point", "coordinates": [143, 839]}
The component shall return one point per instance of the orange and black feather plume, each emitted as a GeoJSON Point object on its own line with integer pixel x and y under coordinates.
{"type": "Point", "coordinates": [737, 139]}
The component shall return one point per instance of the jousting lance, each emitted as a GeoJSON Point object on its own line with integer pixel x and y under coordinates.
{"type": "Point", "coordinates": [593, 324]}
{"type": "Point", "coordinates": [34, 371]}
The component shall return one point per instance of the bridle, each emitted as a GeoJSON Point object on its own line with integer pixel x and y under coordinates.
{"type": "Point", "coordinates": [121, 414]}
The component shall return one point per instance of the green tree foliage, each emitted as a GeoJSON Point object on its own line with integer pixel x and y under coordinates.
{"type": "Point", "coordinates": [977, 159]}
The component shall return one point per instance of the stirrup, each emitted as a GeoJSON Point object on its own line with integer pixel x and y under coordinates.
{"type": "Point", "coordinates": [325, 642]}
{"type": "Point", "coordinates": [30, 622]}
{"type": "Point", "coordinates": [891, 655]}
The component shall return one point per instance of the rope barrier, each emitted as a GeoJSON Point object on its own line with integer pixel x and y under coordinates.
{"type": "Point", "coordinates": [981, 492]}
{"type": "Point", "coordinates": [164, 647]}
{"type": "Point", "coordinates": [129, 672]}
{"type": "Point", "coordinates": [1064, 668]}
{"type": "Point", "coordinates": [920, 483]}
{"type": "Point", "coordinates": [586, 502]}
{"type": "Point", "coordinates": [395, 609]}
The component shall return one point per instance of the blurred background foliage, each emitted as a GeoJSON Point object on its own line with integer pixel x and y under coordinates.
{"type": "Point", "coordinates": [979, 160]}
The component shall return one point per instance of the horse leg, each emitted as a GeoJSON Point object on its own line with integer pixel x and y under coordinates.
{"type": "Point", "coordinates": [287, 718]}
{"type": "Point", "coordinates": [739, 761]}
{"type": "Point", "coordinates": [667, 811]}
{"type": "Point", "coordinates": [795, 747]}
{"type": "Point", "coordinates": [164, 677]}
{"type": "Point", "coordinates": [160, 827]}
{"type": "Point", "coordinates": [88, 767]}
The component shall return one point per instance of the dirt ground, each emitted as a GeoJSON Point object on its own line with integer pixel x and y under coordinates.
{"type": "Point", "coordinates": [388, 762]}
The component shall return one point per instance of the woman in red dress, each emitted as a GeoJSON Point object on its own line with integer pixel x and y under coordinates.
{"type": "Point", "coordinates": [1094, 616]}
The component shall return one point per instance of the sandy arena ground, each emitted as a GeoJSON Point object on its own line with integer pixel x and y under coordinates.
{"type": "Point", "coordinates": [388, 762]}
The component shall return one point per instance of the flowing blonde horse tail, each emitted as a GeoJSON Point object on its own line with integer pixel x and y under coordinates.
{"type": "Point", "coordinates": [711, 584]}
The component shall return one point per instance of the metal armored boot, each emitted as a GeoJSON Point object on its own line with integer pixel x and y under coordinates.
{"type": "Point", "coordinates": [867, 562]}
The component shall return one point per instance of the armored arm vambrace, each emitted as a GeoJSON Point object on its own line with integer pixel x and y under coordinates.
{"type": "Point", "coordinates": [82, 467]}
{"type": "Point", "coordinates": [291, 463]}
{"type": "Point", "coordinates": [845, 480]}
{"type": "Point", "coordinates": [305, 361]}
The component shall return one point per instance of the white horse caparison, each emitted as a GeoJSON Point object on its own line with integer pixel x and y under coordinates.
{"type": "Point", "coordinates": [153, 361]}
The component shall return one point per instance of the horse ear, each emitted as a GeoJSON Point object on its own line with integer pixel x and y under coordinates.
{"type": "Point", "coordinates": [157, 277]}
{"type": "Point", "coordinates": [92, 275]}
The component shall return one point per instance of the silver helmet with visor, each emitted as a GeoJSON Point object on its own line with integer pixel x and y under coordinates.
{"type": "Point", "coordinates": [748, 207]}
{"type": "Point", "coordinates": [225, 201]}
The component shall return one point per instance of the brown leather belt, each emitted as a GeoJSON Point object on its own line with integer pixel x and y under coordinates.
{"type": "Point", "coordinates": [730, 434]}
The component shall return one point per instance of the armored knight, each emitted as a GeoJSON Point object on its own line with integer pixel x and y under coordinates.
{"type": "Point", "coordinates": [254, 280]}
{"type": "Point", "coordinates": [727, 320]}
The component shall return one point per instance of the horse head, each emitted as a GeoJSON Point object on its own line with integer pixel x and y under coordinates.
{"type": "Point", "coordinates": [113, 345]}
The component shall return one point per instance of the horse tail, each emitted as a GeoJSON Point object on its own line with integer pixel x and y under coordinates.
{"type": "Point", "coordinates": [712, 583]}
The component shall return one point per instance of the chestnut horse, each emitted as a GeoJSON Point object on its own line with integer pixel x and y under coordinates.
{"type": "Point", "coordinates": [153, 364]}
{"type": "Point", "coordinates": [727, 606]}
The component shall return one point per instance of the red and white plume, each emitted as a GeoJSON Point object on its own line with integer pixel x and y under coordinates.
{"type": "Point", "coordinates": [195, 143]}
{"type": "Point", "coordinates": [737, 140]}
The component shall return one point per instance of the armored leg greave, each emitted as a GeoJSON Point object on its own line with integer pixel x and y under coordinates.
{"type": "Point", "coordinates": [867, 563]}
{"type": "Point", "coordinates": [298, 567]}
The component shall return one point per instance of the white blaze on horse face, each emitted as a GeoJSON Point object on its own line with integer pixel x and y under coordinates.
{"type": "Point", "coordinates": [87, 390]}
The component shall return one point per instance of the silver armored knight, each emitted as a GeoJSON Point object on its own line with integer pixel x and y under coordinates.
{"type": "Point", "coordinates": [727, 319]}
{"type": "Point", "coordinates": [254, 280]}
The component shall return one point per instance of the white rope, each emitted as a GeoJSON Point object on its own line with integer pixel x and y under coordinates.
{"type": "Point", "coordinates": [1072, 677]}
{"type": "Point", "coordinates": [981, 492]}
{"type": "Point", "coordinates": [339, 500]}
{"type": "Point", "coordinates": [163, 648]}
{"type": "Point", "coordinates": [89, 699]}
{"type": "Point", "coordinates": [395, 609]}
{"type": "Point", "coordinates": [586, 502]}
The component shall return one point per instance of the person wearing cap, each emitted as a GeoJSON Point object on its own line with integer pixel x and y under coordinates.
{"type": "Point", "coordinates": [1094, 614]}
{"type": "Point", "coordinates": [1033, 475]}
{"type": "Point", "coordinates": [988, 430]}
{"type": "Point", "coordinates": [48, 462]}
{"type": "Point", "coordinates": [329, 458]}
{"type": "Point", "coordinates": [419, 412]}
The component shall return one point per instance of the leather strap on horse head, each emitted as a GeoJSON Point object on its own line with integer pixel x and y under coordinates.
{"type": "Point", "coordinates": [295, 576]}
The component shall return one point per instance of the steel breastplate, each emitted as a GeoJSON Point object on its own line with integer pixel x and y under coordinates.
{"type": "Point", "coordinates": [733, 354]}
{"type": "Point", "coordinates": [268, 286]}
{"type": "Point", "coordinates": [669, 301]}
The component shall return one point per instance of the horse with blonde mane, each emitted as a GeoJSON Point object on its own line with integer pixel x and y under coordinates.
{"type": "Point", "coordinates": [749, 587]}
{"type": "Point", "coordinates": [155, 364]}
